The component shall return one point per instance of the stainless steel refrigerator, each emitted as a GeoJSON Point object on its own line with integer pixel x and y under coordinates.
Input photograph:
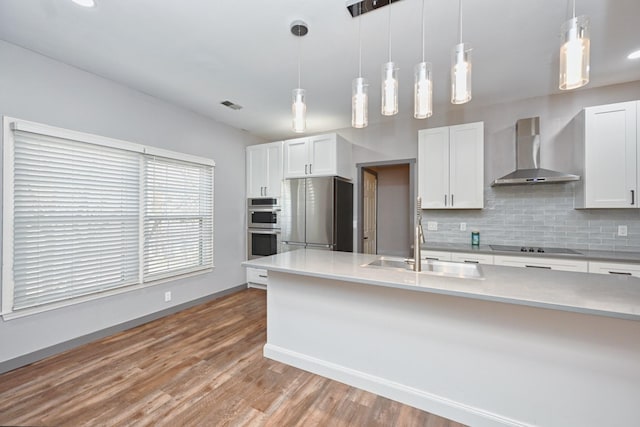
{"type": "Point", "coordinates": [317, 213]}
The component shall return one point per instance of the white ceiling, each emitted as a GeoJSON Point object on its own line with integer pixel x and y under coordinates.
{"type": "Point", "coordinates": [197, 53]}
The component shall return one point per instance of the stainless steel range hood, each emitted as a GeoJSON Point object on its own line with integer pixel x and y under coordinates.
{"type": "Point", "coordinates": [528, 158]}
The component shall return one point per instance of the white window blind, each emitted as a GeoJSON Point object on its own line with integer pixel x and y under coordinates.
{"type": "Point", "coordinates": [178, 217]}
{"type": "Point", "coordinates": [75, 219]}
{"type": "Point", "coordinates": [86, 216]}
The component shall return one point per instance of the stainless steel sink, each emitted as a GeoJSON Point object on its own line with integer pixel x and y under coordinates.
{"type": "Point", "coordinates": [440, 268]}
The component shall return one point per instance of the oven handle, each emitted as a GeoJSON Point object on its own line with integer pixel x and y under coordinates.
{"type": "Point", "coordinates": [265, 210]}
{"type": "Point", "coordinates": [263, 231]}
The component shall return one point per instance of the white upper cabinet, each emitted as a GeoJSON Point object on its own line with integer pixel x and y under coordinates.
{"type": "Point", "coordinates": [320, 155]}
{"type": "Point", "coordinates": [264, 170]}
{"type": "Point", "coordinates": [608, 155]}
{"type": "Point", "coordinates": [451, 167]}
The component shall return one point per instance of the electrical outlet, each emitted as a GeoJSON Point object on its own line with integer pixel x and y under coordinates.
{"type": "Point", "coordinates": [622, 230]}
{"type": "Point", "coordinates": [432, 225]}
{"type": "Point", "coordinates": [463, 226]}
{"type": "Point", "coordinates": [167, 296]}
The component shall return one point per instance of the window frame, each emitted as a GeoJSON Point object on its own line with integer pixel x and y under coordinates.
{"type": "Point", "coordinates": [7, 284]}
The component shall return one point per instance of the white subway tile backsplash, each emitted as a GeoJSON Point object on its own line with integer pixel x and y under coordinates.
{"type": "Point", "coordinates": [541, 215]}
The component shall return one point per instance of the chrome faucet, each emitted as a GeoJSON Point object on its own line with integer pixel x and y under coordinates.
{"type": "Point", "coordinates": [418, 237]}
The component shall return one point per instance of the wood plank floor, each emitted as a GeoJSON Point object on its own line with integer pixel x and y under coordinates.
{"type": "Point", "coordinates": [199, 367]}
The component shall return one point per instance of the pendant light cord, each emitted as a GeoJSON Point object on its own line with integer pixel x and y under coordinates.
{"type": "Point", "coordinates": [390, 1]}
{"type": "Point", "coordinates": [460, 19]}
{"type": "Point", "coordinates": [574, 8]}
{"type": "Point", "coordinates": [360, 44]}
{"type": "Point", "coordinates": [299, 54]}
{"type": "Point", "coordinates": [422, 30]}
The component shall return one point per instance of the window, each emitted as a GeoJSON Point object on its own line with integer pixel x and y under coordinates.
{"type": "Point", "coordinates": [85, 215]}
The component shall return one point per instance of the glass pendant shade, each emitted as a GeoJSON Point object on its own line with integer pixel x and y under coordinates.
{"type": "Point", "coordinates": [461, 74]}
{"type": "Point", "coordinates": [359, 103]}
{"type": "Point", "coordinates": [299, 111]}
{"type": "Point", "coordinates": [423, 91]}
{"type": "Point", "coordinates": [389, 89]}
{"type": "Point", "coordinates": [574, 53]}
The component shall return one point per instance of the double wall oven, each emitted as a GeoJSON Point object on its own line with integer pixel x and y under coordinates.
{"type": "Point", "coordinates": [263, 233]}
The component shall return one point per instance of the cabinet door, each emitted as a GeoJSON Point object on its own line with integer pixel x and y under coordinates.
{"type": "Point", "coordinates": [296, 158]}
{"type": "Point", "coordinates": [623, 269]}
{"type": "Point", "coordinates": [433, 168]}
{"type": "Point", "coordinates": [435, 255]}
{"type": "Point", "coordinates": [256, 171]}
{"type": "Point", "coordinates": [466, 166]}
{"type": "Point", "coordinates": [611, 156]}
{"type": "Point", "coordinates": [472, 258]}
{"type": "Point", "coordinates": [273, 179]}
{"type": "Point", "coordinates": [542, 263]}
{"type": "Point", "coordinates": [322, 155]}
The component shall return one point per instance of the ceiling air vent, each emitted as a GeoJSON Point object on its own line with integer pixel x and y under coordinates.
{"type": "Point", "coordinates": [231, 105]}
{"type": "Point", "coordinates": [359, 7]}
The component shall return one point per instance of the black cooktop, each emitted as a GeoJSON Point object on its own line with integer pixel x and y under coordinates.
{"type": "Point", "coordinates": [534, 249]}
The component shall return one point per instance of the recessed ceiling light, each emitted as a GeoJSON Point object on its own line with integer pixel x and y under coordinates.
{"type": "Point", "coordinates": [634, 55]}
{"type": "Point", "coordinates": [85, 3]}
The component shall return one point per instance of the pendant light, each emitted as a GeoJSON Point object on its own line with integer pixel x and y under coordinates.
{"type": "Point", "coordinates": [461, 68]}
{"type": "Point", "coordinates": [389, 81]}
{"type": "Point", "coordinates": [574, 52]}
{"type": "Point", "coordinates": [423, 84]}
{"type": "Point", "coordinates": [298, 105]}
{"type": "Point", "coordinates": [359, 89]}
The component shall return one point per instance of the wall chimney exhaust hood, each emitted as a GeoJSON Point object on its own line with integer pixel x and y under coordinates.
{"type": "Point", "coordinates": [528, 158]}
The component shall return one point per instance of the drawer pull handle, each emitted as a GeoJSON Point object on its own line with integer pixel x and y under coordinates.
{"type": "Point", "coordinates": [432, 258]}
{"type": "Point", "coordinates": [633, 197]}
{"type": "Point", "coordinates": [263, 276]}
{"type": "Point", "coordinates": [538, 266]}
{"type": "Point", "coordinates": [468, 261]}
{"type": "Point", "coordinates": [622, 273]}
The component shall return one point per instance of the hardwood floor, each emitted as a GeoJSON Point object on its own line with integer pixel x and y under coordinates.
{"type": "Point", "coordinates": [202, 366]}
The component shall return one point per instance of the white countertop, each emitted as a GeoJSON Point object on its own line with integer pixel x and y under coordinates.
{"type": "Point", "coordinates": [598, 294]}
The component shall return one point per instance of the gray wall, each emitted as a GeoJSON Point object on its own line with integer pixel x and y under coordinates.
{"type": "Point", "coordinates": [541, 215]}
{"type": "Point", "coordinates": [33, 87]}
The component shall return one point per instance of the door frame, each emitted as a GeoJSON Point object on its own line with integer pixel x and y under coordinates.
{"type": "Point", "coordinates": [360, 167]}
{"type": "Point", "coordinates": [361, 200]}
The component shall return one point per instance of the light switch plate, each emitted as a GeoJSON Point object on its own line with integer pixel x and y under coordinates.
{"type": "Point", "coordinates": [167, 296]}
{"type": "Point", "coordinates": [432, 225]}
{"type": "Point", "coordinates": [463, 226]}
{"type": "Point", "coordinates": [622, 230]}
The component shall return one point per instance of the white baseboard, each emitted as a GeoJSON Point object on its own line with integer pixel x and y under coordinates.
{"type": "Point", "coordinates": [408, 395]}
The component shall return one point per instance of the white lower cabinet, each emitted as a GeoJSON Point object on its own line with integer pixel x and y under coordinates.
{"type": "Point", "coordinates": [544, 263]}
{"type": "Point", "coordinates": [435, 255]}
{"type": "Point", "coordinates": [256, 278]}
{"type": "Point", "coordinates": [622, 269]}
{"type": "Point", "coordinates": [472, 258]}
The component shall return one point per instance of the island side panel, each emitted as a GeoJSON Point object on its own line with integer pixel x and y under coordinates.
{"type": "Point", "coordinates": [477, 362]}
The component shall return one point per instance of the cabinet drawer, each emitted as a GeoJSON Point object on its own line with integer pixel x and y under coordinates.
{"type": "Point", "coordinates": [472, 258]}
{"type": "Point", "coordinates": [436, 255]}
{"type": "Point", "coordinates": [544, 263]}
{"type": "Point", "coordinates": [256, 275]}
{"type": "Point", "coordinates": [614, 268]}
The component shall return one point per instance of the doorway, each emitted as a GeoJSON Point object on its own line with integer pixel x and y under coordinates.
{"type": "Point", "coordinates": [385, 205]}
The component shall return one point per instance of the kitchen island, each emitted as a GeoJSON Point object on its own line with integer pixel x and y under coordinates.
{"type": "Point", "coordinates": [517, 347]}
